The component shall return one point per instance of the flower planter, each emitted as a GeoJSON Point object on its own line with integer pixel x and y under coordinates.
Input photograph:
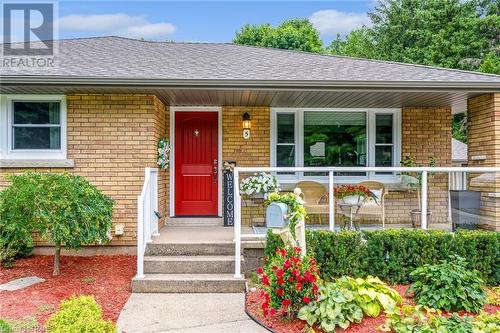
{"type": "Point", "coordinates": [352, 200]}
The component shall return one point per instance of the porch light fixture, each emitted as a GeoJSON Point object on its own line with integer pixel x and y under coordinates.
{"type": "Point", "coordinates": [247, 124]}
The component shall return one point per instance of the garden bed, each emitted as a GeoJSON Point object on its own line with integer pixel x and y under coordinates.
{"type": "Point", "coordinates": [278, 324]}
{"type": "Point", "coordinates": [107, 278]}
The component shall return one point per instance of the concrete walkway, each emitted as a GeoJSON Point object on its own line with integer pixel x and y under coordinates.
{"type": "Point", "coordinates": [186, 313]}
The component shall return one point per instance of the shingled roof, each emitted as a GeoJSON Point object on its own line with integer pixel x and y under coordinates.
{"type": "Point", "coordinates": [123, 58]}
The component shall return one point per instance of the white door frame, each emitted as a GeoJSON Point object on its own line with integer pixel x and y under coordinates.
{"type": "Point", "coordinates": [173, 110]}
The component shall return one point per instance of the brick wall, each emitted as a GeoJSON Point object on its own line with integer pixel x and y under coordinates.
{"type": "Point", "coordinates": [111, 139]}
{"type": "Point", "coordinates": [484, 140]}
{"type": "Point", "coordinates": [254, 151]}
{"type": "Point", "coordinates": [426, 132]}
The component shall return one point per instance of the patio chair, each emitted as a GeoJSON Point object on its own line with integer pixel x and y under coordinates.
{"type": "Point", "coordinates": [374, 206]}
{"type": "Point", "coordinates": [315, 196]}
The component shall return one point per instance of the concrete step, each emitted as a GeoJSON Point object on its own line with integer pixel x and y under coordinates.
{"type": "Point", "coordinates": [194, 221]}
{"type": "Point", "coordinates": [188, 283]}
{"type": "Point", "coordinates": [189, 264]}
{"type": "Point", "coordinates": [190, 249]}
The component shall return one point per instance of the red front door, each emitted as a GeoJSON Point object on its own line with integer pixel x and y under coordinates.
{"type": "Point", "coordinates": [196, 179]}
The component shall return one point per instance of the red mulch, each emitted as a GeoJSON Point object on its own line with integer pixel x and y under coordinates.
{"type": "Point", "coordinates": [280, 325]}
{"type": "Point", "coordinates": [107, 278]}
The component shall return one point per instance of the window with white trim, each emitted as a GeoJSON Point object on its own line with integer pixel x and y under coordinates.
{"type": "Point", "coordinates": [35, 127]}
{"type": "Point", "coordinates": [335, 137]}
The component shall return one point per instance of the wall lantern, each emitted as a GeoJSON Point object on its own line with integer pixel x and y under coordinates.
{"type": "Point", "coordinates": [247, 124]}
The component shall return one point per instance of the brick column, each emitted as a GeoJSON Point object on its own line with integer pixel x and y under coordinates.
{"type": "Point", "coordinates": [484, 150]}
{"type": "Point", "coordinates": [426, 133]}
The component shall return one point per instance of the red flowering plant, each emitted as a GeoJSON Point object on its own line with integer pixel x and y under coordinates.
{"type": "Point", "coordinates": [348, 190]}
{"type": "Point", "coordinates": [288, 282]}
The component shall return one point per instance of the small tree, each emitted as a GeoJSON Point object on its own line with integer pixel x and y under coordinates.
{"type": "Point", "coordinates": [63, 209]}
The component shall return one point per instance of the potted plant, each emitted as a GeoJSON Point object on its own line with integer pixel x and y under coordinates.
{"type": "Point", "coordinates": [259, 185]}
{"type": "Point", "coordinates": [413, 181]}
{"type": "Point", "coordinates": [352, 195]}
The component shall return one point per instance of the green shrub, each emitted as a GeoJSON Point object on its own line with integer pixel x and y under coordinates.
{"type": "Point", "coordinates": [393, 254]}
{"type": "Point", "coordinates": [5, 327]}
{"type": "Point", "coordinates": [79, 314]}
{"type": "Point", "coordinates": [64, 209]}
{"type": "Point", "coordinates": [449, 285]}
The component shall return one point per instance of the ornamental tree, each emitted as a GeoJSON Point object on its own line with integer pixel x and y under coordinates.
{"type": "Point", "coordinates": [64, 209]}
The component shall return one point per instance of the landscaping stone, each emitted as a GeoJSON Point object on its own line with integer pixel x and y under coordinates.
{"type": "Point", "coordinates": [21, 283]}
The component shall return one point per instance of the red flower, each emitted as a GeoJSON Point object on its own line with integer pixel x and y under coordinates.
{"type": "Point", "coordinates": [264, 280]}
{"type": "Point", "coordinates": [315, 287]}
{"type": "Point", "coordinates": [290, 279]}
{"type": "Point", "coordinates": [260, 270]}
{"type": "Point", "coordinates": [306, 299]}
{"type": "Point", "coordinates": [272, 311]}
{"type": "Point", "coordinates": [279, 292]}
{"type": "Point", "coordinates": [298, 286]}
{"type": "Point", "coordinates": [309, 277]}
{"type": "Point", "coordinates": [286, 302]}
{"type": "Point", "coordinates": [297, 249]}
{"type": "Point", "coordinates": [280, 280]}
{"type": "Point", "coordinates": [279, 273]}
{"type": "Point", "coordinates": [283, 252]}
{"type": "Point", "coordinates": [275, 267]}
{"type": "Point", "coordinates": [287, 264]}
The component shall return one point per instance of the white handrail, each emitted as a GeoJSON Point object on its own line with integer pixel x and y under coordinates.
{"type": "Point", "coordinates": [331, 170]}
{"type": "Point", "coordinates": [147, 223]}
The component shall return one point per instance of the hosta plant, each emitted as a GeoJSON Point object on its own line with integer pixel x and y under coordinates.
{"type": "Point", "coordinates": [335, 307]}
{"type": "Point", "coordinates": [486, 323]}
{"type": "Point", "coordinates": [421, 319]}
{"type": "Point", "coordinates": [449, 285]}
{"type": "Point", "coordinates": [371, 294]}
{"type": "Point", "coordinates": [288, 282]}
{"type": "Point", "coordinates": [346, 301]}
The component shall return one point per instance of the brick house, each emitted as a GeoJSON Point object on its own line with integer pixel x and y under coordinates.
{"type": "Point", "coordinates": [101, 110]}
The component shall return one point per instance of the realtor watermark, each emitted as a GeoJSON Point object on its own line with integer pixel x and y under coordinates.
{"type": "Point", "coordinates": [29, 35]}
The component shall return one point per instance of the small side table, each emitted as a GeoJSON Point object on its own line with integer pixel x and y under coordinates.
{"type": "Point", "coordinates": [351, 212]}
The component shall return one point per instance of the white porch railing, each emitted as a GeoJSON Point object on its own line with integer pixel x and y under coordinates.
{"type": "Point", "coordinates": [147, 221]}
{"type": "Point", "coordinates": [424, 171]}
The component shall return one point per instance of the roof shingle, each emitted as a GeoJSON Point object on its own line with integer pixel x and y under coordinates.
{"type": "Point", "coordinates": [122, 58]}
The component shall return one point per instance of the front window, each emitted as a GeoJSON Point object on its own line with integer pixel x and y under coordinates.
{"type": "Point", "coordinates": [36, 125]}
{"type": "Point", "coordinates": [334, 139]}
{"type": "Point", "coordinates": [338, 138]}
{"type": "Point", "coordinates": [33, 127]}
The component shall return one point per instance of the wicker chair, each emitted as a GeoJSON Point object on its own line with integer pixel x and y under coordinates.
{"type": "Point", "coordinates": [315, 196]}
{"type": "Point", "coordinates": [371, 206]}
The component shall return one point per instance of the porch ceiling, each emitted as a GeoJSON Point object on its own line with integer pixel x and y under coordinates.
{"type": "Point", "coordinates": [275, 97]}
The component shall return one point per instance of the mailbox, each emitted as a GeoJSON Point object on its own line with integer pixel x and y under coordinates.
{"type": "Point", "coordinates": [276, 214]}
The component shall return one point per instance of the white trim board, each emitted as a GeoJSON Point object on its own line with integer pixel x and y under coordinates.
{"type": "Point", "coordinates": [173, 110]}
{"type": "Point", "coordinates": [370, 134]}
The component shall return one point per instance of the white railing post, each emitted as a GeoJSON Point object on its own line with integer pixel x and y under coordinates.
{"type": "Point", "coordinates": [331, 202]}
{"type": "Point", "coordinates": [237, 225]}
{"type": "Point", "coordinates": [154, 202]}
{"type": "Point", "coordinates": [140, 238]}
{"type": "Point", "coordinates": [423, 213]}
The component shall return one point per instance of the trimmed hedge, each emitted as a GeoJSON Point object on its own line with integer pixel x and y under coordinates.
{"type": "Point", "coordinates": [393, 254]}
